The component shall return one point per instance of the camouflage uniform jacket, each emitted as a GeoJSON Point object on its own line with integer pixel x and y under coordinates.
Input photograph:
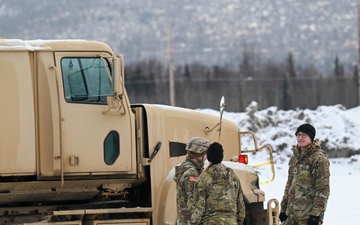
{"type": "Point", "coordinates": [307, 189]}
{"type": "Point", "coordinates": [218, 197]}
{"type": "Point", "coordinates": [186, 176]}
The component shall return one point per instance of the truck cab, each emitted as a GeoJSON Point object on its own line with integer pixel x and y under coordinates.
{"type": "Point", "coordinates": [74, 150]}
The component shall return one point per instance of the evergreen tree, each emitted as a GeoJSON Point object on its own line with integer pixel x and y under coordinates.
{"type": "Point", "coordinates": [290, 66]}
{"type": "Point", "coordinates": [338, 68]}
{"type": "Point", "coordinates": [356, 72]}
{"type": "Point", "coordinates": [246, 67]}
{"type": "Point", "coordinates": [286, 99]}
{"type": "Point", "coordinates": [187, 71]}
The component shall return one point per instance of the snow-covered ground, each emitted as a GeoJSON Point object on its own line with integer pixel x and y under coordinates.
{"type": "Point", "coordinates": [344, 196]}
{"type": "Point", "coordinates": [337, 128]}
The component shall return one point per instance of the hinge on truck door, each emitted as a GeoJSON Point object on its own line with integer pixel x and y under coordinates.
{"type": "Point", "coordinates": [115, 105]}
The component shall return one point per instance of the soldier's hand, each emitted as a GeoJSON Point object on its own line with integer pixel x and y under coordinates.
{"type": "Point", "coordinates": [283, 217]}
{"type": "Point", "coordinates": [313, 220]}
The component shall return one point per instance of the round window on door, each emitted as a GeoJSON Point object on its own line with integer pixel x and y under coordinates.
{"type": "Point", "coordinates": [111, 147]}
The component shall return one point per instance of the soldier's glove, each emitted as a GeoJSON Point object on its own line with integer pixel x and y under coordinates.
{"type": "Point", "coordinates": [283, 217]}
{"type": "Point", "coordinates": [313, 220]}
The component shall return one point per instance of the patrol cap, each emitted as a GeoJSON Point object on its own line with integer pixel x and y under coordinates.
{"type": "Point", "coordinates": [198, 145]}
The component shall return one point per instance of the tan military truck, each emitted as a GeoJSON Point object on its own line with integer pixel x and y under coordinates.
{"type": "Point", "coordinates": [73, 150]}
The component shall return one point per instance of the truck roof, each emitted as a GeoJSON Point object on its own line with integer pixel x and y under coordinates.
{"type": "Point", "coordinates": [52, 45]}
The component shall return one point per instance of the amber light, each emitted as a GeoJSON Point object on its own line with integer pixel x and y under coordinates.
{"type": "Point", "coordinates": [243, 159]}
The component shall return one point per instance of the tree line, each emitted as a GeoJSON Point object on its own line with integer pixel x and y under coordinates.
{"type": "Point", "coordinates": [284, 85]}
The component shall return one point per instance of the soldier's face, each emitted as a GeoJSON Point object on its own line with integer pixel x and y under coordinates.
{"type": "Point", "coordinates": [204, 158]}
{"type": "Point", "coordinates": [303, 140]}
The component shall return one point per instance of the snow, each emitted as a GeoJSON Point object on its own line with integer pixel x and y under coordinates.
{"type": "Point", "coordinates": [337, 129]}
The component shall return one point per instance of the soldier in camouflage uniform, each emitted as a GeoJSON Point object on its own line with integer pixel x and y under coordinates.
{"type": "Point", "coordinates": [186, 176]}
{"type": "Point", "coordinates": [218, 196]}
{"type": "Point", "coordinates": [307, 189]}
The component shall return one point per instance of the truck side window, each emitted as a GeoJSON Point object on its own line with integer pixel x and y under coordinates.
{"type": "Point", "coordinates": [111, 147]}
{"type": "Point", "coordinates": [177, 149]}
{"type": "Point", "coordinates": [86, 80]}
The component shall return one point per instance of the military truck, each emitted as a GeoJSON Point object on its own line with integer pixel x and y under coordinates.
{"type": "Point", "coordinates": [74, 151]}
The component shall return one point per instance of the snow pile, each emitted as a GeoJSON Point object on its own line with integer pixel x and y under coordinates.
{"type": "Point", "coordinates": [337, 128]}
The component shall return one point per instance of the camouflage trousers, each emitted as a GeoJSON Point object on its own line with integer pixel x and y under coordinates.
{"type": "Point", "coordinates": [181, 221]}
{"type": "Point", "coordinates": [220, 221]}
{"type": "Point", "coordinates": [292, 221]}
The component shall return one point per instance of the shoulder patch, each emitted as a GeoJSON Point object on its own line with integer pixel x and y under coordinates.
{"type": "Point", "coordinates": [193, 179]}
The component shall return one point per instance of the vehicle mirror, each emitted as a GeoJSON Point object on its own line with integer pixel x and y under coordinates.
{"type": "Point", "coordinates": [118, 74]}
{"type": "Point", "coordinates": [222, 105]}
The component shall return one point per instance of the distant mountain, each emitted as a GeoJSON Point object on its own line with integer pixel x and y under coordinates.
{"type": "Point", "coordinates": [204, 31]}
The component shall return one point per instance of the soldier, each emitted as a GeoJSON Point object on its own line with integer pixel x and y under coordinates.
{"type": "Point", "coordinates": [186, 176]}
{"type": "Point", "coordinates": [307, 188]}
{"type": "Point", "coordinates": [218, 198]}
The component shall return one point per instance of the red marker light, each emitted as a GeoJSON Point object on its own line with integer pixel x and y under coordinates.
{"type": "Point", "coordinates": [243, 159]}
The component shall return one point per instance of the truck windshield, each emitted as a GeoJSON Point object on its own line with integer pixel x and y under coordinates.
{"type": "Point", "coordinates": [86, 80]}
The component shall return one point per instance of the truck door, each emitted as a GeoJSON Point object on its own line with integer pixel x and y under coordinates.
{"type": "Point", "coordinates": [92, 142]}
